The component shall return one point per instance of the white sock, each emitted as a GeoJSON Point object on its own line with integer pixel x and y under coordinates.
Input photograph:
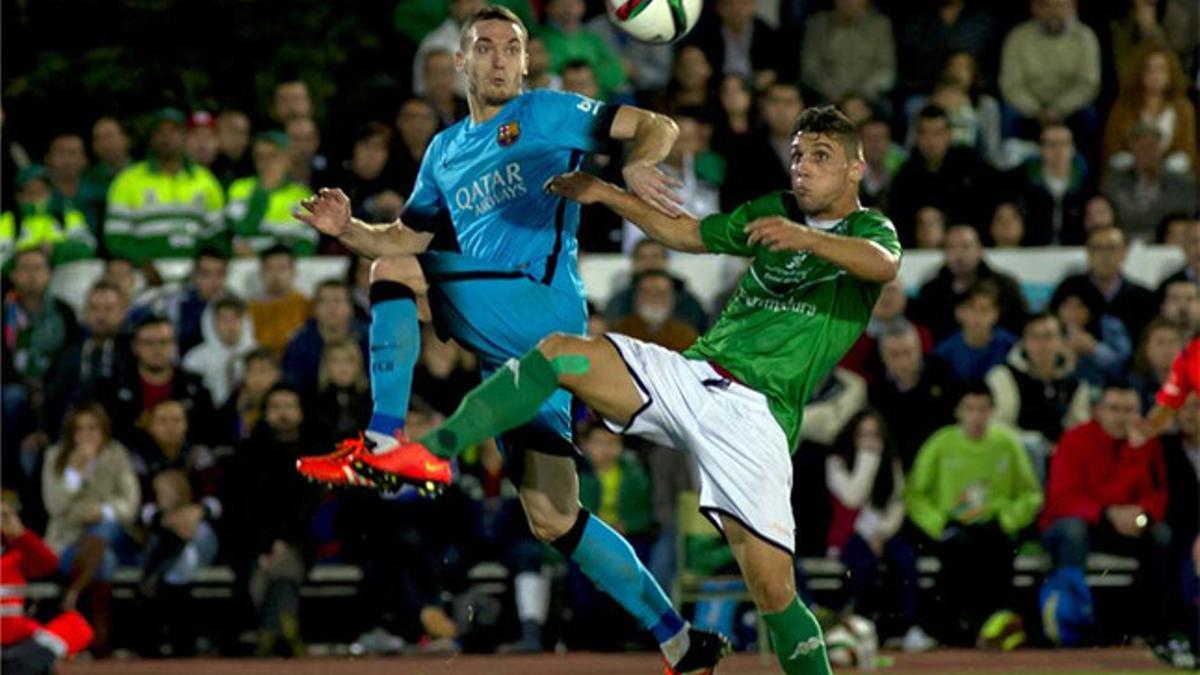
{"type": "Point", "coordinates": [383, 442]}
{"type": "Point", "coordinates": [677, 645]}
{"type": "Point", "coordinates": [533, 596]}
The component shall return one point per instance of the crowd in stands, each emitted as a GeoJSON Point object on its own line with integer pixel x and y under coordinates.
{"type": "Point", "coordinates": [158, 428]}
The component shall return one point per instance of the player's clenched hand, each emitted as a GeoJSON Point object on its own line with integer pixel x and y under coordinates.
{"type": "Point", "coordinates": [654, 187]}
{"type": "Point", "coordinates": [779, 234]}
{"type": "Point", "coordinates": [328, 211]}
{"type": "Point", "coordinates": [577, 186]}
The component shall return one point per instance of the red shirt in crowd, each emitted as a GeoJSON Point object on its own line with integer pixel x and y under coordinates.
{"type": "Point", "coordinates": [25, 557]}
{"type": "Point", "coordinates": [1091, 471]}
{"type": "Point", "coordinates": [1184, 378]}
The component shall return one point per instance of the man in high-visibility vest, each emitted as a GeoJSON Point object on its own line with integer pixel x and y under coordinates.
{"type": "Point", "coordinates": [62, 231]}
{"type": "Point", "coordinates": [165, 206]}
{"type": "Point", "coordinates": [260, 208]}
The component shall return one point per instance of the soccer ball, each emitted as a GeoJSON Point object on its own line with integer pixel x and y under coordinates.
{"type": "Point", "coordinates": [655, 21]}
{"type": "Point", "coordinates": [853, 643]}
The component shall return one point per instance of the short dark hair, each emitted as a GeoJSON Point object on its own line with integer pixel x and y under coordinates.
{"type": "Point", "coordinates": [827, 120]}
{"type": "Point", "coordinates": [575, 64]}
{"type": "Point", "coordinates": [278, 249]}
{"type": "Point", "coordinates": [260, 354]}
{"type": "Point", "coordinates": [491, 13]}
{"type": "Point", "coordinates": [148, 321]}
{"type": "Point", "coordinates": [102, 286]}
{"type": "Point", "coordinates": [284, 387]}
{"type": "Point", "coordinates": [975, 388]}
{"type": "Point", "coordinates": [1117, 382]}
{"type": "Point", "coordinates": [1040, 316]}
{"type": "Point", "coordinates": [230, 302]}
{"type": "Point", "coordinates": [209, 251]}
{"type": "Point", "coordinates": [371, 130]}
{"type": "Point", "coordinates": [339, 284]}
{"type": "Point", "coordinates": [984, 288]}
{"type": "Point", "coordinates": [933, 112]}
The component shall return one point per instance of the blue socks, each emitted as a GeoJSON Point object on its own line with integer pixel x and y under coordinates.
{"type": "Point", "coordinates": [395, 342]}
{"type": "Point", "coordinates": [609, 561]}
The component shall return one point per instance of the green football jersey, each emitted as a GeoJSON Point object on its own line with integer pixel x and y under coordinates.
{"type": "Point", "coordinates": [793, 315]}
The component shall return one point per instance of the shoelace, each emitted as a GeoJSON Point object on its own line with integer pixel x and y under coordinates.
{"type": "Point", "coordinates": [349, 446]}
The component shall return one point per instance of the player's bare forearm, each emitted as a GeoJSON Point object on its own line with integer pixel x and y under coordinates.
{"type": "Point", "coordinates": [861, 257]}
{"type": "Point", "coordinates": [681, 232]}
{"type": "Point", "coordinates": [384, 239]}
{"type": "Point", "coordinates": [652, 134]}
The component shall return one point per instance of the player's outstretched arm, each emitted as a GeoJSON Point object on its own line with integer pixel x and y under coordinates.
{"type": "Point", "coordinates": [863, 258]}
{"type": "Point", "coordinates": [328, 212]}
{"type": "Point", "coordinates": [652, 135]}
{"type": "Point", "coordinates": [680, 232]}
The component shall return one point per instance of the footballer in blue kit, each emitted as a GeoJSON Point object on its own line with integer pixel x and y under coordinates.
{"type": "Point", "coordinates": [508, 280]}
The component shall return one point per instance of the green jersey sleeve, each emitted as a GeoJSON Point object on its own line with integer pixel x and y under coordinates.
{"type": "Point", "coordinates": [726, 232]}
{"type": "Point", "coordinates": [877, 228]}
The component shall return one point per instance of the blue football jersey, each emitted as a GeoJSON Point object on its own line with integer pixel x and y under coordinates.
{"type": "Point", "coordinates": [488, 180]}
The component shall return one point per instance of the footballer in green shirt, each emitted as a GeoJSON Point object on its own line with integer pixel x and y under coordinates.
{"type": "Point", "coordinates": [735, 398]}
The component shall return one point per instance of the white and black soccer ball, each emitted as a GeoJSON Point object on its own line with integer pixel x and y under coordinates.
{"type": "Point", "coordinates": [655, 21]}
{"type": "Point", "coordinates": [853, 643]}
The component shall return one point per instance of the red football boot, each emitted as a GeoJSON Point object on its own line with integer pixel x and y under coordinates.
{"type": "Point", "coordinates": [409, 464]}
{"type": "Point", "coordinates": [336, 468]}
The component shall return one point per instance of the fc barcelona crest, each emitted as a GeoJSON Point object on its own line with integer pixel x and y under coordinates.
{"type": "Point", "coordinates": [508, 133]}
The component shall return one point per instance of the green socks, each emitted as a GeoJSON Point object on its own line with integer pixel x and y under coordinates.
{"type": "Point", "coordinates": [796, 637]}
{"type": "Point", "coordinates": [506, 400]}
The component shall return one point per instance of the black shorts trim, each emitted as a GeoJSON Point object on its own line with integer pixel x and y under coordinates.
{"type": "Point", "coordinates": [708, 512]}
{"type": "Point", "coordinates": [640, 385]}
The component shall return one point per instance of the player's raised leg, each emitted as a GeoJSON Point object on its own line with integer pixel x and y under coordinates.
{"type": "Point", "coordinates": [397, 287]}
{"type": "Point", "coordinates": [767, 569]}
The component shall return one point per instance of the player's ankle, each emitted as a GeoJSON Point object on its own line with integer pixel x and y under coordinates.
{"type": "Point", "coordinates": [381, 442]}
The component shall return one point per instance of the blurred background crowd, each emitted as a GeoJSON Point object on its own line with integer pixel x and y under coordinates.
{"type": "Point", "coordinates": [155, 425]}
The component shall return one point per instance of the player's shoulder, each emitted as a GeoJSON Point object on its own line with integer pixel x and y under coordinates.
{"type": "Point", "coordinates": [540, 100]}
{"type": "Point", "coordinates": [870, 218]}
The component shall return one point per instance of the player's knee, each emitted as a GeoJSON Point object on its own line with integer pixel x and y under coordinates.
{"type": "Point", "coordinates": [774, 591]}
{"type": "Point", "coordinates": [560, 344]}
{"type": "Point", "coordinates": [401, 269]}
{"type": "Point", "coordinates": [548, 523]}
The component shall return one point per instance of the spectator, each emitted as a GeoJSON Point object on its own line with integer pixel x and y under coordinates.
{"type": "Point", "coordinates": [691, 84]}
{"type": "Point", "coordinates": [444, 373]}
{"type": "Point", "coordinates": [539, 75]}
{"type": "Point", "coordinates": [935, 31]}
{"type": "Point", "coordinates": [259, 209]}
{"type": "Point", "coordinates": [343, 394]}
{"type": "Point", "coordinates": [1052, 190]}
{"type": "Point", "coordinates": [1173, 229]}
{"type": "Point", "coordinates": [954, 179]}
{"type": "Point", "coordinates": [119, 272]}
{"type": "Point", "coordinates": [738, 43]}
{"type": "Point", "coordinates": [849, 50]}
{"type": "Point", "coordinates": [233, 144]}
{"type": "Point", "coordinates": [579, 77]}
{"type": "Point", "coordinates": [651, 321]}
{"type": "Point", "coordinates": [1154, 92]}
{"type": "Point", "coordinates": [971, 490]}
{"type": "Point", "coordinates": [167, 446]}
{"type": "Point", "coordinates": [930, 228]}
{"type": "Point", "coordinates": [290, 99]}
{"type": "Point", "coordinates": [92, 495]}
{"type": "Point", "coordinates": [201, 138]}
{"type": "Point", "coordinates": [416, 123]}
{"type": "Point", "coordinates": [736, 119]}
{"type": "Point", "coordinates": [648, 66]}
{"type": "Point", "coordinates": [270, 549]}
{"type": "Point", "coordinates": [218, 360]}
{"type": "Point", "coordinates": [445, 37]}
{"type": "Point", "coordinates": [243, 410]}
{"type": "Point", "coordinates": [1099, 212]}
{"type": "Point", "coordinates": [110, 147]}
{"type": "Point", "coordinates": [973, 114]}
{"type": "Point", "coordinates": [1104, 493]}
{"type": "Point", "coordinates": [765, 158]}
{"type": "Point", "coordinates": [282, 309]}
{"type": "Point", "coordinates": [309, 167]}
{"type": "Point", "coordinates": [1099, 341]}
{"type": "Point", "coordinates": [332, 321]}
{"type": "Point", "coordinates": [1161, 341]}
{"type": "Point", "coordinates": [1181, 305]}
{"type": "Point", "coordinates": [65, 162]}
{"type": "Point", "coordinates": [883, 161]}
{"type": "Point", "coordinates": [1148, 24]}
{"type": "Point", "coordinates": [440, 78]}
{"type": "Point", "coordinates": [1190, 271]}
{"type": "Point", "coordinates": [1050, 71]}
{"type": "Point", "coordinates": [154, 378]}
{"type": "Point", "coordinates": [179, 542]}
{"type": "Point", "coordinates": [649, 255]}
{"type": "Point", "coordinates": [38, 328]}
{"type": "Point", "coordinates": [890, 310]}
{"type": "Point", "coordinates": [1146, 192]}
{"type": "Point", "coordinates": [28, 646]}
{"type": "Point", "coordinates": [91, 365]}
{"type": "Point", "coordinates": [1124, 298]}
{"type": "Point", "coordinates": [978, 345]}
{"type": "Point", "coordinates": [915, 394]}
{"type": "Point", "coordinates": [365, 179]}
{"type": "Point", "coordinates": [1181, 457]}
{"type": "Point", "coordinates": [189, 307]}
{"type": "Point", "coordinates": [164, 206]}
{"type": "Point", "coordinates": [1008, 226]}
{"type": "Point", "coordinates": [1036, 389]}
{"type": "Point", "coordinates": [37, 223]}
{"type": "Point", "coordinates": [866, 486]}
{"type": "Point", "coordinates": [964, 267]}
{"type": "Point", "coordinates": [567, 40]}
